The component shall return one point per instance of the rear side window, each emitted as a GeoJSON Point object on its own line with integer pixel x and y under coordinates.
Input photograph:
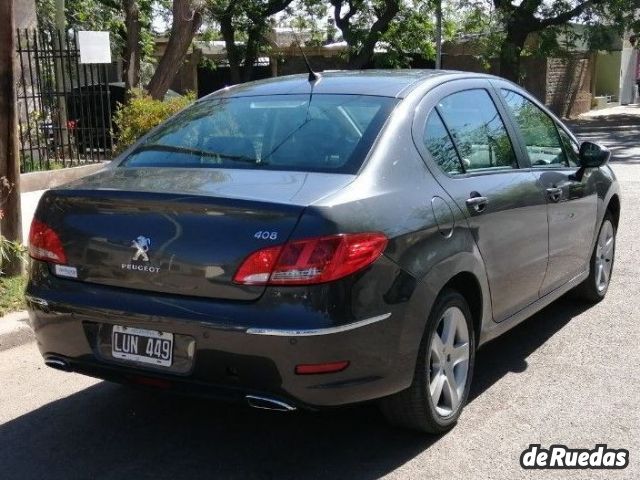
{"type": "Point", "coordinates": [440, 146]}
{"type": "Point", "coordinates": [325, 133]}
{"type": "Point", "coordinates": [538, 131]}
{"type": "Point", "coordinates": [477, 130]}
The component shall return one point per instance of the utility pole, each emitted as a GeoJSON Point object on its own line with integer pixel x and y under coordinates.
{"type": "Point", "coordinates": [438, 34]}
{"type": "Point", "coordinates": [60, 20]}
{"type": "Point", "coordinates": [10, 221]}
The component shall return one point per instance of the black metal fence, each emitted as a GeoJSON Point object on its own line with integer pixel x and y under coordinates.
{"type": "Point", "coordinates": [64, 106]}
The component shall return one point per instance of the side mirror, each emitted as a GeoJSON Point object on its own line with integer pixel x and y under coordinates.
{"type": "Point", "coordinates": [593, 155]}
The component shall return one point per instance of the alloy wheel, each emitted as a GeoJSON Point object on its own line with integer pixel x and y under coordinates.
{"type": "Point", "coordinates": [449, 361]}
{"type": "Point", "coordinates": [604, 256]}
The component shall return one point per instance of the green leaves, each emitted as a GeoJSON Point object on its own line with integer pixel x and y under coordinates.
{"type": "Point", "coordinates": [411, 35]}
{"type": "Point", "coordinates": [10, 250]}
{"type": "Point", "coordinates": [142, 113]}
{"type": "Point", "coordinates": [105, 15]}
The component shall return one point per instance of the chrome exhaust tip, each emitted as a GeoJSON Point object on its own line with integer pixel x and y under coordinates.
{"type": "Point", "coordinates": [57, 363]}
{"type": "Point", "coordinates": [265, 403]}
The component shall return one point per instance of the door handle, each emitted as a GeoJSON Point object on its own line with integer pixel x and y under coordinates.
{"type": "Point", "coordinates": [477, 203]}
{"type": "Point", "coordinates": [554, 194]}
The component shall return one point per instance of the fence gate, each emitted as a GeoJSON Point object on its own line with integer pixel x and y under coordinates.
{"type": "Point", "coordinates": [64, 106]}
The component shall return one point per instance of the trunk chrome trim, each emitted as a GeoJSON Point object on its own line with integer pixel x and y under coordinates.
{"type": "Point", "coordinates": [318, 331]}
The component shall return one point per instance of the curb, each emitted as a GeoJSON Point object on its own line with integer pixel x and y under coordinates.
{"type": "Point", "coordinates": [15, 330]}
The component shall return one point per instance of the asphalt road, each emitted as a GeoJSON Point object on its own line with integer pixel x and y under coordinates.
{"type": "Point", "coordinates": [568, 375]}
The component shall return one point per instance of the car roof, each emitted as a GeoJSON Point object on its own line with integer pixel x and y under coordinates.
{"type": "Point", "coordinates": [384, 83]}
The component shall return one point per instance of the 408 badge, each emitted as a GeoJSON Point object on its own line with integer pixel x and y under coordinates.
{"type": "Point", "coordinates": [561, 456]}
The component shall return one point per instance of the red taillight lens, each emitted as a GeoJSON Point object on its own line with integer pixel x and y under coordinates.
{"type": "Point", "coordinates": [312, 260]}
{"type": "Point", "coordinates": [255, 270]}
{"type": "Point", "coordinates": [45, 244]}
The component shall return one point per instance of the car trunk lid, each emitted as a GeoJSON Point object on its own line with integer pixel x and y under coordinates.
{"type": "Point", "coordinates": [177, 232]}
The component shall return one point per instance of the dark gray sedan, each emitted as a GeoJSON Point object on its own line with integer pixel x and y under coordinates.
{"type": "Point", "coordinates": [309, 243]}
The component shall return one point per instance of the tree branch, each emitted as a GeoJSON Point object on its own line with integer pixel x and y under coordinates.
{"type": "Point", "coordinates": [564, 17]}
{"type": "Point", "coordinates": [343, 22]}
{"type": "Point", "coordinates": [379, 27]}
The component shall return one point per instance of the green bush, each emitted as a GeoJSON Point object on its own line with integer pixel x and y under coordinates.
{"type": "Point", "coordinates": [11, 251]}
{"type": "Point", "coordinates": [135, 118]}
{"type": "Point", "coordinates": [12, 294]}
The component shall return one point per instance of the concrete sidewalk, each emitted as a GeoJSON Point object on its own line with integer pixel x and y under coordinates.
{"type": "Point", "coordinates": [15, 330]}
{"type": "Point", "coordinates": [618, 110]}
{"type": "Point", "coordinates": [29, 203]}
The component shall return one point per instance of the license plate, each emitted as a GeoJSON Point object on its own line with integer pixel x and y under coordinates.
{"type": "Point", "coordinates": [140, 345]}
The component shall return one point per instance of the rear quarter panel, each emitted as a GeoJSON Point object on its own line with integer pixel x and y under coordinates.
{"type": "Point", "coordinates": [394, 194]}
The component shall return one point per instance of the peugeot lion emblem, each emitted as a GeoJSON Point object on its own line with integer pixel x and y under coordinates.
{"type": "Point", "coordinates": [141, 244]}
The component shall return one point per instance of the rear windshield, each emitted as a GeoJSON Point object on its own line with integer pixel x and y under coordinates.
{"type": "Point", "coordinates": [319, 133]}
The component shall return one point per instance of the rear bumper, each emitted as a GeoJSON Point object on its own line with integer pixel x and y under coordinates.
{"type": "Point", "coordinates": [231, 359]}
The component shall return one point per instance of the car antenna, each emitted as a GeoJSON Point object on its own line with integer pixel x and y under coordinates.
{"type": "Point", "coordinates": [313, 76]}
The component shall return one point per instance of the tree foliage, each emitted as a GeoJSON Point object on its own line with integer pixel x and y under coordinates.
{"type": "Point", "coordinates": [411, 34]}
{"type": "Point", "coordinates": [532, 16]}
{"type": "Point", "coordinates": [403, 29]}
{"type": "Point", "coordinates": [105, 15]}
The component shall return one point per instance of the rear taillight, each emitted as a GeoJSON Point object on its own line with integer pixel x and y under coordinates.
{"type": "Point", "coordinates": [312, 260]}
{"type": "Point", "coordinates": [45, 244]}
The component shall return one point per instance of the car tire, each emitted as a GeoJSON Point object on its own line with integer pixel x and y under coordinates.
{"type": "Point", "coordinates": [593, 289]}
{"type": "Point", "coordinates": [415, 407]}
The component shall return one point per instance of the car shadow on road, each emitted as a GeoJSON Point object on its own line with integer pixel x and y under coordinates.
{"type": "Point", "coordinates": [509, 352]}
{"type": "Point", "coordinates": [112, 432]}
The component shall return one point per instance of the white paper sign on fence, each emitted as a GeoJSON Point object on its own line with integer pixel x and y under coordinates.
{"type": "Point", "coordinates": [94, 47]}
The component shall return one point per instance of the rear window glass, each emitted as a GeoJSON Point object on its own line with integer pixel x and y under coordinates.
{"type": "Point", "coordinates": [325, 133]}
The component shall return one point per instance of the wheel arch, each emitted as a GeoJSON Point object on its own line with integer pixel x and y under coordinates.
{"type": "Point", "coordinates": [614, 208]}
{"type": "Point", "coordinates": [468, 286]}
{"type": "Point", "coordinates": [464, 272]}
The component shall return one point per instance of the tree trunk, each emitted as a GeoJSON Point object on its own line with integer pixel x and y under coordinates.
{"type": "Point", "coordinates": [186, 21]}
{"type": "Point", "coordinates": [132, 47]}
{"type": "Point", "coordinates": [251, 52]}
{"type": "Point", "coordinates": [10, 221]}
{"type": "Point", "coordinates": [229, 36]}
{"type": "Point", "coordinates": [510, 52]}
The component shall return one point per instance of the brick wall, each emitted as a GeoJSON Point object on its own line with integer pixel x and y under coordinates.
{"type": "Point", "coordinates": [563, 84]}
{"type": "Point", "coordinates": [568, 85]}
